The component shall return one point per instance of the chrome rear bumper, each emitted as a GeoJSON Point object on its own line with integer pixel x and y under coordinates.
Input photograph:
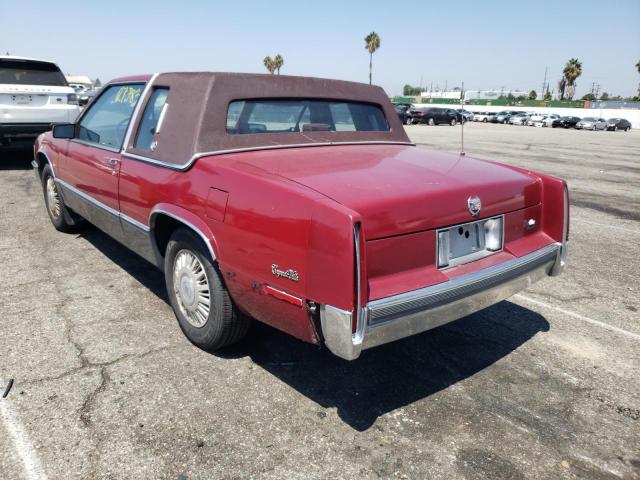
{"type": "Point", "coordinates": [400, 316]}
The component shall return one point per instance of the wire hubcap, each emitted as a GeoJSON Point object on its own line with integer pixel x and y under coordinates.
{"type": "Point", "coordinates": [191, 287]}
{"type": "Point", "coordinates": [53, 198]}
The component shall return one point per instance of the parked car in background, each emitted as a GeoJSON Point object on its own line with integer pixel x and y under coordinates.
{"type": "Point", "coordinates": [466, 114]}
{"type": "Point", "coordinates": [404, 112]}
{"type": "Point", "coordinates": [618, 124]}
{"type": "Point", "coordinates": [33, 95]}
{"type": "Point", "coordinates": [84, 92]}
{"type": "Point", "coordinates": [242, 193]}
{"type": "Point", "coordinates": [565, 122]}
{"type": "Point", "coordinates": [436, 116]}
{"type": "Point", "coordinates": [480, 117]}
{"type": "Point", "coordinates": [592, 123]}
{"type": "Point", "coordinates": [491, 116]}
{"type": "Point", "coordinates": [519, 119]}
{"type": "Point", "coordinates": [503, 117]}
{"type": "Point", "coordinates": [548, 120]}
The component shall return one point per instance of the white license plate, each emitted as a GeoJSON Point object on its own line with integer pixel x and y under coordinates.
{"type": "Point", "coordinates": [469, 241]}
{"type": "Point", "coordinates": [22, 100]}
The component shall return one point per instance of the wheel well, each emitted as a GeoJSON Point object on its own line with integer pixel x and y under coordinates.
{"type": "Point", "coordinates": [163, 227]}
{"type": "Point", "coordinates": [41, 160]}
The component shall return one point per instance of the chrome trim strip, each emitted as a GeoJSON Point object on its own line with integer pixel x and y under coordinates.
{"type": "Point", "coordinates": [155, 212]}
{"type": "Point", "coordinates": [165, 107]}
{"type": "Point", "coordinates": [386, 309]}
{"type": "Point", "coordinates": [101, 205]}
{"type": "Point", "coordinates": [561, 260]}
{"type": "Point", "coordinates": [135, 222]}
{"type": "Point", "coordinates": [198, 155]}
{"type": "Point", "coordinates": [442, 303]}
{"type": "Point", "coordinates": [88, 198]}
{"type": "Point", "coordinates": [94, 145]}
{"type": "Point", "coordinates": [48, 161]}
{"type": "Point", "coordinates": [360, 323]}
{"type": "Point", "coordinates": [136, 112]}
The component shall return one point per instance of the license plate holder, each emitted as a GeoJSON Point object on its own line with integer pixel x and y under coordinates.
{"type": "Point", "coordinates": [470, 241]}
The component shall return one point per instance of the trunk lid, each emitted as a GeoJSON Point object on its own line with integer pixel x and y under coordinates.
{"type": "Point", "coordinates": [402, 189]}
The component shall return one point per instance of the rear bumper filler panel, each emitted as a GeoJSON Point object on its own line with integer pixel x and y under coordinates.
{"type": "Point", "coordinates": [393, 318]}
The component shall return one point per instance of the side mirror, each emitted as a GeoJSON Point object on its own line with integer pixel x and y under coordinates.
{"type": "Point", "coordinates": [64, 130]}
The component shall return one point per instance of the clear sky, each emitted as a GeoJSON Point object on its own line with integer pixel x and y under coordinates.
{"type": "Point", "coordinates": [486, 44]}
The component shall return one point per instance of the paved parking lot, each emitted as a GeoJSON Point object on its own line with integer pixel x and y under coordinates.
{"type": "Point", "coordinates": [546, 385]}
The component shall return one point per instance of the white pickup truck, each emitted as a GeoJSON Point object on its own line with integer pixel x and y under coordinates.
{"type": "Point", "coordinates": [33, 95]}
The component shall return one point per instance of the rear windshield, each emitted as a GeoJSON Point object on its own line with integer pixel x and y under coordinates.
{"type": "Point", "coordinates": [303, 115]}
{"type": "Point", "coordinates": [28, 72]}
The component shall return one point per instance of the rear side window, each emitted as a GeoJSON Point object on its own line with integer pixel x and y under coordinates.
{"type": "Point", "coordinates": [107, 119]}
{"type": "Point", "coordinates": [29, 72]}
{"type": "Point", "coordinates": [303, 115]}
{"type": "Point", "coordinates": [152, 119]}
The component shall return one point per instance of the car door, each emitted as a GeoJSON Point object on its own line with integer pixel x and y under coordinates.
{"type": "Point", "coordinates": [91, 167]}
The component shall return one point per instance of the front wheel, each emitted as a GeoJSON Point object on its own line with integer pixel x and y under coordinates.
{"type": "Point", "coordinates": [407, 121]}
{"type": "Point", "coordinates": [199, 298]}
{"type": "Point", "coordinates": [627, 129]}
{"type": "Point", "coordinates": [60, 216]}
{"type": "Point", "coordinates": [593, 128]}
{"type": "Point", "coordinates": [453, 122]}
{"type": "Point", "coordinates": [431, 122]}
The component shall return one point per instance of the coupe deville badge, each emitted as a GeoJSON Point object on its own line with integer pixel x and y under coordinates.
{"type": "Point", "coordinates": [290, 274]}
{"type": "Point", "coordinates": [474, 205]}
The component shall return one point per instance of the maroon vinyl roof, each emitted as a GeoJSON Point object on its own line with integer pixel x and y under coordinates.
{"type": "Point", "coordinates": [196, 116]}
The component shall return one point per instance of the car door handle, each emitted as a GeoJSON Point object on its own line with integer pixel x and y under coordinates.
{"type": "Point", "coordinates": [111, 161]}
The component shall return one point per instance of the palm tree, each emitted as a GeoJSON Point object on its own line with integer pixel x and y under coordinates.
{"type": "Point", "coordinates": [572, 70]}
{"type": "Point", "coordinates": [278, 61]}
{"type": "Point", "coordinates": [372, 42]}
{"type": "Point", "coordinates": [270, 64]}
{"type": "Point", "coordinates": [562, 85]}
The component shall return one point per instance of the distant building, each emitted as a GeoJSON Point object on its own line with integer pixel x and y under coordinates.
{"type": "Point", "coordinates": [79, 80]}
{"type": "Point", "coordinates": [473, 94]}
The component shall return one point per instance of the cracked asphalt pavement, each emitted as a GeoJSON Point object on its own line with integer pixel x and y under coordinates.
{"type": "Point", "coordinates": [543, 386]}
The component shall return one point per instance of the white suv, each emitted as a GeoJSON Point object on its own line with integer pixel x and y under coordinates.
{"type": "Point", "coordinates": [33, 95]}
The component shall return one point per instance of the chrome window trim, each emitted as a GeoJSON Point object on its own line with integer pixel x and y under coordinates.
{"type": "Point", "coordinates": [165, 107]}
{"type": "Point", "coordinates": [155, 212]}
{"type": "Point", "coordinates": [198, 155]}
{"type": "Point", "coordinates": [95, 145]}
{"type": "Point", "coordinates": [133, 114]}
{"type": "Point", "coordinates": [136, 112]}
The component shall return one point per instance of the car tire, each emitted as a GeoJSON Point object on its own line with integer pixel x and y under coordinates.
{"type": "Point", "coordinates": [431, 122]}
{"type": "Point", "coordinates": [594, 128]}
{"type": "Point", "coordinates": [61, 217]}
{"type": "Point", "coordinates": [484, 120]}
{"type": "Point", "coordinates": [192, 280]}
{"type": "Point", "coordinates": [407, 121]}
{"type": "Point", "coordinates": [627, 129]}
{"type": "Point", "coordinates": [453, 122]}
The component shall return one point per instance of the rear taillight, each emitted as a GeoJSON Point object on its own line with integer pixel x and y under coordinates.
{"type": "Point", "coordinates": [72, 99]}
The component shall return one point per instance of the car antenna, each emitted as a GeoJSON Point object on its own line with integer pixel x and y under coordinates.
{"type": "Point", "coordinates": [462, 122]}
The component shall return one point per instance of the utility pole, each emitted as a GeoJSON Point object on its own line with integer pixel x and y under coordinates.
{"type": "Point", "coordinates": [597, 94]}
{"type": "Point", "coordinates": [445, 85]}
{"type": "Point", "coordinates": [544, 82]}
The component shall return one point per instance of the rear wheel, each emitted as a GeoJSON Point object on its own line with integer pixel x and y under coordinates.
{"type": "Point", "coordinates": [431, 122]}
{"type": "Point", "coordinates": [484, 120]}
{"type": "Point", "coordinates": [453, 122]}
{"type": "Point", "coordinates": [60, 216]}
{"type": "Point", "coordinates": [627, 129]}
{"type": "Point", "coordinates": [199, 298]}
{"type": "Point", "coordinates": [593, 128]}
{"type": "Point", "coordinates": [407, 121]}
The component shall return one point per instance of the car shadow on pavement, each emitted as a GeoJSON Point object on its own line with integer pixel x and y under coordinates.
{"type": "Point", "coordinates": [15, 159]}
{"type": "Point", "coordinates": [383, 379]}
